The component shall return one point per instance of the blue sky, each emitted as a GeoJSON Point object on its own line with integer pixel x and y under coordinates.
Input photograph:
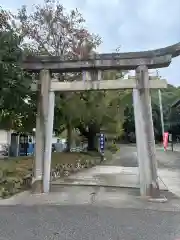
{"type": "Point", "coordinates": [132, 24]}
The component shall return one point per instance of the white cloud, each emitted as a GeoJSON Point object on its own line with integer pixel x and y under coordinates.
{"type": "Point", "coordinates": [133, 24]}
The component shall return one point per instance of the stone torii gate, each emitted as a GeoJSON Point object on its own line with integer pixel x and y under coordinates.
{"type": "Point", "coordinates": [138, 61]}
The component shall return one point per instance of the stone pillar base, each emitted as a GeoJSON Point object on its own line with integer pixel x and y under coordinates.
{"type": "Point", "coordinates": [154, 190]}
{"type": "Point", "coordinates": [37, 186]}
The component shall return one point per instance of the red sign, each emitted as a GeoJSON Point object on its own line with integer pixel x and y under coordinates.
{"type": "Point", "coordinates": [165, 140]}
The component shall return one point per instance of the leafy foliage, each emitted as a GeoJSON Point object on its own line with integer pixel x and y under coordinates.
{"type": "Point", "coordinates": [14, 83]}
{"type": "Point", "coordinates": [50, 30]}
{"type": "Point", "coordinates": [53, 31]}
{"type": "Point", "coordinates": [171, 115]}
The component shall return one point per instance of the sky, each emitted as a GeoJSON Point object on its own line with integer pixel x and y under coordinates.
{"type": "Point", "coordinates": [130, 24]}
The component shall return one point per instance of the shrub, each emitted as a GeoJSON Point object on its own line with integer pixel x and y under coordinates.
{"type": "Point", "coordinates": [112, 147]}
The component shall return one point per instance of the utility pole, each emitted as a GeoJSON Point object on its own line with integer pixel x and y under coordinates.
{"type": "Point", "coordinates": [161, 111]}
{"type": "Point", "coordinates": [160, 107]}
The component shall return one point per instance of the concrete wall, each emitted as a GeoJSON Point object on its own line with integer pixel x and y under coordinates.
{"type": "Point", "coordinates": [4, 136]}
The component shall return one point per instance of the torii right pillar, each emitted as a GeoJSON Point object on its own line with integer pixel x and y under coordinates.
{"type": "Point", "coordinates": [145, 141]}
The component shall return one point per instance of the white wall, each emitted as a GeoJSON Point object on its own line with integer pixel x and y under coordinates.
{"type": "Point", "coordinates": [3, 136]}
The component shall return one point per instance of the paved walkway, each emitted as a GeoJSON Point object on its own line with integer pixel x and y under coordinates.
{"type": "Point", "coordinates": [122, 171]}
{"type": "Point", "coordinates": [93, 196]}
{"type": "Point", "coordinates": [101, 181]}
{"type": "Point", "coordinates": [176, 147]}
{"type": "Point", "coordinates": [114, 176]}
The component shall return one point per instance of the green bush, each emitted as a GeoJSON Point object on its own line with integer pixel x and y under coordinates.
{"type": "Point", "coordinates": [112, 147]}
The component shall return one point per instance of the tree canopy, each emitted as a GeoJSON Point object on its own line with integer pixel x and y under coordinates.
{"type": "Point", "coordinates": [170, 115]}
{"type": "Point", "coordinates": [51, 30]}
{"type": "Point", "coordinates": [14, 82]}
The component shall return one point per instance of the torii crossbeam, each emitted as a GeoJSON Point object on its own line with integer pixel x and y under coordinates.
{"type": "Point", "coordinates": [121, 61]}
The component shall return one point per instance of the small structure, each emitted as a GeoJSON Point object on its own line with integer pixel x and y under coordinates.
{"type": "Point", "coordinates": [15, 144]}
{"type": "Point", "coordinates": [21, 145]}
{"type": "Point", "coordinates": [5, 140]}
{"type": "Point", "coordinates": [5, 136]}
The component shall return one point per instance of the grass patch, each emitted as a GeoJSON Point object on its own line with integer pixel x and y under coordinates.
{"type": "Point", "coordinates": [14, 171]}
{"type": "Point", "coordinates": [21, 166]}
{"type": "Point", "coordinates": [112, 147]}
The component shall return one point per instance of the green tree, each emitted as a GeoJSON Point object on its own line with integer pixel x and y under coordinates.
{"type": "Point", "coordinates": [53, 31]}
{"type": "Point", "coordinates": [169, 95]}
{"type": "Point", "coordinates": [14, 82]}
{"type": "Point", "coordinates": [102, 111]}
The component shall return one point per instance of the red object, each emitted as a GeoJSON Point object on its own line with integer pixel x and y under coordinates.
{"type": "Point", "coordinates": [165, 140]}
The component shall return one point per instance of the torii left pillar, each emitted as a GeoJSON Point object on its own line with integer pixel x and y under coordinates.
{"type": "Point", "coordinates": [44, 131]}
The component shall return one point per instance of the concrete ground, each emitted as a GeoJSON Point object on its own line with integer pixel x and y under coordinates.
{"type": "Point", "coordinates": [114, 176]}
{"type": "Point", "coordinates": [93, 212]}
{"type": "Point", "coordinates": [87, 223]}
{"type": "Point", "coordinates": [122, 171]}
{"type": "Point", "coordinates": [93, 195]}
{"type": "Point", "coordinates": [176, 147]}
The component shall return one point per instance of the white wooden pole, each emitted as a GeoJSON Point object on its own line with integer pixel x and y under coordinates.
{"type": "Point", "coordinates": [38, 164]}
{"type": "Point", "coordinates": [147, 133]}
{"type": "Point", "coordinates": [140, 144]}
{"type": "Point", "coordinates": [48, 143]}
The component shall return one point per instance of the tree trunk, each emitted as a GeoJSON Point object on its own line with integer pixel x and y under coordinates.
{"type": "Point", "coordinates": [90, 135]}
{"type": "Point", "coordinates": [69, 136]}
{"type": "Point", "coordinates": [92, 141]}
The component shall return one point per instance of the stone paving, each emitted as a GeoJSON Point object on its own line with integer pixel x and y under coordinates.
{"type": "Point", "coordinates": [122, 171]}
{"type": "Point", "coordinates": [94, 196]}
{"type": "Point", "coordinates": [114, 176]}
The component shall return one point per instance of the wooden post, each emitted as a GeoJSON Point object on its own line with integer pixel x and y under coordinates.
{"type": "Point", "coordinates": [44, 130]}
{"type": "Point", "coordinates": [140, 143]}
{"type": "Point", "coordinates": [145, 136]}
{"type": "Point", "coordinates": [48, 142]}
{"type": "Point", "coordinates": [38, 161]}
{"type": "Point", "coordinates": [47, 117]}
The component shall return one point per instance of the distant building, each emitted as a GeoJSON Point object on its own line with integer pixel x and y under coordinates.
{"type": "Point", "coordinates": [5, 136]}
{"type": "Point", "coordinates": [5, 139]}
